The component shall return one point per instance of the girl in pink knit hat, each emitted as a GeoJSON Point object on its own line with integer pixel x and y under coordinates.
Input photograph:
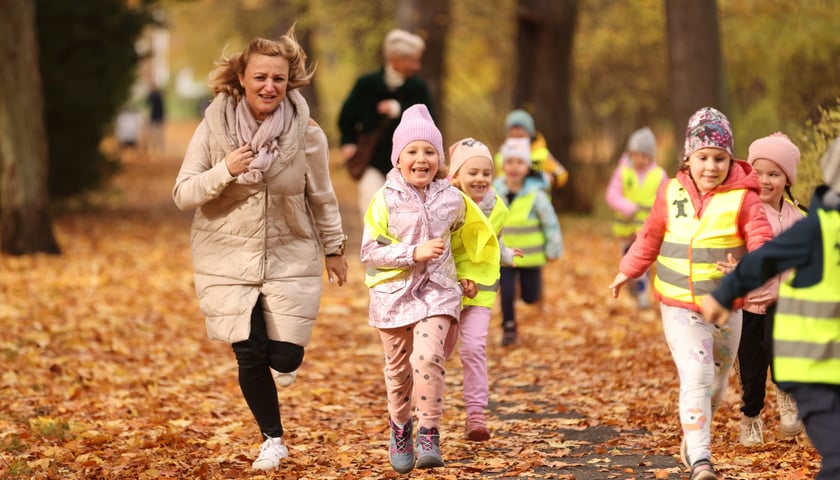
{"type": "Point", "coordinates": [774, 159]}
{"type": "Point", "coordinates": [471, 168]}
{"type": "Point", "coordinates": [414, 289]}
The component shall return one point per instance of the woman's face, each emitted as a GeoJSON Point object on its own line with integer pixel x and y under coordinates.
{"type": "Point", "coordinates": [418, 163]}
{"type": "Point", "coordinates": [709, 167]}
{"type": "Point", "coordinates": [475, 177]}
{"type": "Point", "coordinates": [772, 180]}
{"type": "Point", "coordinates": [265, 80]}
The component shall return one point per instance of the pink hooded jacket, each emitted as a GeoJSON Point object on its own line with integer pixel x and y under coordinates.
{"type": "Point", "coordinates": [431, 288]}
{"type": "Point", "coordinates": [753, 226]}
{"type": "Point", "coordinates": [759, 299]}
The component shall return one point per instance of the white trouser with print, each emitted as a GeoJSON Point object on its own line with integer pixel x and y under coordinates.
{"type": "Point", "coordinates": [703, 354]}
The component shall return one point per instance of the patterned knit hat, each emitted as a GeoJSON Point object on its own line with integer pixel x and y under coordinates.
{"type": "Point", "coordinates": [465, 149]}
{"type": "Point", "coordinates": [416, 124]}
{"type": "Point", "coordinates": [778, 149]}
{"type": "Point", "coordinates": [643, 141]}
{"type": "Point", "coordinates": [708, 128]}
{"type": "Point", "coordinates": [521, 118]}
{"type": "Point", "coordinates": [517, 148]}
{"type": "Point", "coordinates": [830, 164]}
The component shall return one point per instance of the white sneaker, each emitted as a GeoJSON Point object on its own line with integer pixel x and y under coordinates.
{"type": "Point", "coordinates": [752, 431]}
{"type": "Point", "coordinates": [789, 424]}
{"type": "Point", "coordinates": [271, 452]}
{"type": "Point", "coordinates": [284, 379]}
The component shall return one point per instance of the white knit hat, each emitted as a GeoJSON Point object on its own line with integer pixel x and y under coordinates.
{"type": "Point", "coordinates": [517, 148]}
{"type": "Point", "coordinates": [401, 42]}
{"type": "Point", "coordinates": [644, 141]}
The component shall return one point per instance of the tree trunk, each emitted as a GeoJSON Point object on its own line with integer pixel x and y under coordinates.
{"type": "Point", "coordinates": [544, 36]}
{"type": "Point", "coordinates": [695, 62]}
{"type": "Point", "coordinates": [25, 223]}
{"type": "Point", "coordinates": [430, 19]}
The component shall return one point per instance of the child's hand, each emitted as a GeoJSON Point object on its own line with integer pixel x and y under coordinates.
{"type": "Point", "coordinates": [729, 265]}
{"type": "Point", "coordinates": [617, 283]}
{"type": "Point", "coordinates": [429, 250]}
{"type": "Point", "coordinates": [517, 252]}
{"type": "Point", "coordinates": [469, 287]}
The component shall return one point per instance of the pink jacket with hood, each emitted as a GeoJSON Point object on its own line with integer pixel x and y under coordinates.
{"type": "Point", "coordinates": [431, 288]}
{"type": "Point", "coordinates": [753, 226]}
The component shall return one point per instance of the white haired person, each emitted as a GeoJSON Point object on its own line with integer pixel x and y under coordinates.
{"type": "Point", "coordinates": [372, 110]}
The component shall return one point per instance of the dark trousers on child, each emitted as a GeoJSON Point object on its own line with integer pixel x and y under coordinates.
{"type": "Point", "coordinates": [754, 353]}
{"type": "Point", "coordinates": [255, 357]}
{"type": "Point", "coordinates": [819, 409]}
{"type": "Point", "coordinates": [530, 289]}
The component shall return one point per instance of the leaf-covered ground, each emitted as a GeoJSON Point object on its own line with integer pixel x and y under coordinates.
{"type": "Point", "coordinates": [107, 371]}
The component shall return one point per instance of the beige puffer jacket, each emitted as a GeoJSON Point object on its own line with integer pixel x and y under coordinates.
{"type": "Point", "coordinates": [266, 239]}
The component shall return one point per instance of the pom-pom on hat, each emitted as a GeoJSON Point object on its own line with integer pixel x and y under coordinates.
{"type": "Point", "coordinates": [521, 118]}
{"type": "Point", "coordinates": [517, 148]}
{"type": "Point", "coordinates": [643, 141]}
{"type": "Point", "coordinates": [416, 124]}
{"type": "Point", "coordinates": [778, 149]}
{"type": "Point", "coordinates": [465, 149]}
{"type": "Point", "coordinates": [708, 128]}
{"type": "Point", "coordinates": [830, 164]}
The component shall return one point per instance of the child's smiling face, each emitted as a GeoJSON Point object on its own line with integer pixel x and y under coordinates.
{"type": "Point", "coordinates": [475, 177]}
{"type": "Point", "coordinates": [709, 167]}
{"type": "Point", "coordinates": [418, 163]}
{"type": "Point", "coordinates": [772, 180]}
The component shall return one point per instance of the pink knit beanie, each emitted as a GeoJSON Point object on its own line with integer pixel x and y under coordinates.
{"type": "Point", "coordinates": [416, 124]}
{"type": "Point", "coordinates": [465, 149]}
{"type": "Point", "coordinates": [778, 149]}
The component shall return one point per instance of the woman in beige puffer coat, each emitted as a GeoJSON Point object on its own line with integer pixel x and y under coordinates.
{"type": "Point", "coordinates": [257, 173]}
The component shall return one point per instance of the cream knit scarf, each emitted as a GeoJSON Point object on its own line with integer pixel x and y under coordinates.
{"type": "Point", "coordinates": [263, 138]}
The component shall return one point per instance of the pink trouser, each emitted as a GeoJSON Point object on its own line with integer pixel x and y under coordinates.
{"type": "Point", "coordinates": [414, 362]}
{"type": "Point", "coordinates": [472, 328]}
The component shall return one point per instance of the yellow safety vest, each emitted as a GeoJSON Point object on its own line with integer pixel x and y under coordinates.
{"type": "Point", "coordinates": [686, 267]}
{"type": "Point", "coordinates": [524, 232]}
{"type": "Point", "coordinates": [642, 194]}
{"type": "Point", "coordinates": [475, 240]}
{"type": "Point", "coordinates": [806, 330]}
{"type": "Point", "coordinates": [485, 272]}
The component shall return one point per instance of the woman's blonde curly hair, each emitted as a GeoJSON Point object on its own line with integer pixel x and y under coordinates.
{"type": "Point", "coordinates": [225, 77]}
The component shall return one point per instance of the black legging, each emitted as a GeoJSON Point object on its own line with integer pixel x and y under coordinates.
{"type": "Point", "coordinates": [530, 289]}
{"type": "Point", "coordinates": [254, 357]}
{"type": "Point", "coordinates": [755, 352]}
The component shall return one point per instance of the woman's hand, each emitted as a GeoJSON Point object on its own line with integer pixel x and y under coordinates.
{"type": "Point", "coordinates": [237, 161]}
{"type": "Point", "coordinates": [337, 269]}
{"type": "Point", "coordinates": [729, 265]}
{"type": "Point", "coordinates": [713, 311]}
{"type": "Point", "coordinates": [617, 283]}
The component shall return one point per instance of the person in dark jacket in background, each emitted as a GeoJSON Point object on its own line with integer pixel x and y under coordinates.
{"type": "Point", "coordinates": [806, 329]}
{"type": "Point", "coordinates": [377, 101]}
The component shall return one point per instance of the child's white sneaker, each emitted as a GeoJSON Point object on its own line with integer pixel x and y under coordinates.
{"type": "Point", "coordinates": [284, 379]}
{"type": "Point", "coordinates": [789, 423]}
{"type": "Point", "coordinates": [272, 451]}
{"type": "Point", "coordinates": [752, 431]}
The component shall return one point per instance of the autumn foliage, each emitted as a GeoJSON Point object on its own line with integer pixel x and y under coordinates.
{"type": "Point", "coordinates": [107, 371]}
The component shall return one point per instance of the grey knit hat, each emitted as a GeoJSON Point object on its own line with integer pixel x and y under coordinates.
{"type": "Point", "coordinates": [643, 141]}
{"type": "Point", "coordinates": [521, 118]}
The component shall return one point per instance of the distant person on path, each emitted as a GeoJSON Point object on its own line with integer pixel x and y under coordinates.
{"type": "Point", "coordinates": [414, 289]}
{"type": "Point", "coordinates": [520, 124]}
{"type": "Point", "coordinates": [806, 328]}
{"type": "Point", "coordinates": [471, 171]}
{"type": "Point", "coordinates": [532, 227]}
{"type": "Point", "coordinates": [371, 111]}
{"type": "Point", "coordinates": [156, 139]}
{"type": "Point", "coordinates": [709, 211]}
{"type": "Point", "coordinates": [630, 195]}
{"type": "Point", "coordinates": [266, 223]}
{"type": "Point", "coordinates": [774, 159]}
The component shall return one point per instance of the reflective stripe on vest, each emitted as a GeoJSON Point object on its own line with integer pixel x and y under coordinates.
{"type": "Point", "coordinates": [376, 218]}
{"type": "Point", "coordinates": [642, 194]}
{"type": "Point", "coordinates": [686, 267]}
{"type": "Point", "coordinates": [806, 330]}
{"type": "Point", "coordinates": [524, 231]}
